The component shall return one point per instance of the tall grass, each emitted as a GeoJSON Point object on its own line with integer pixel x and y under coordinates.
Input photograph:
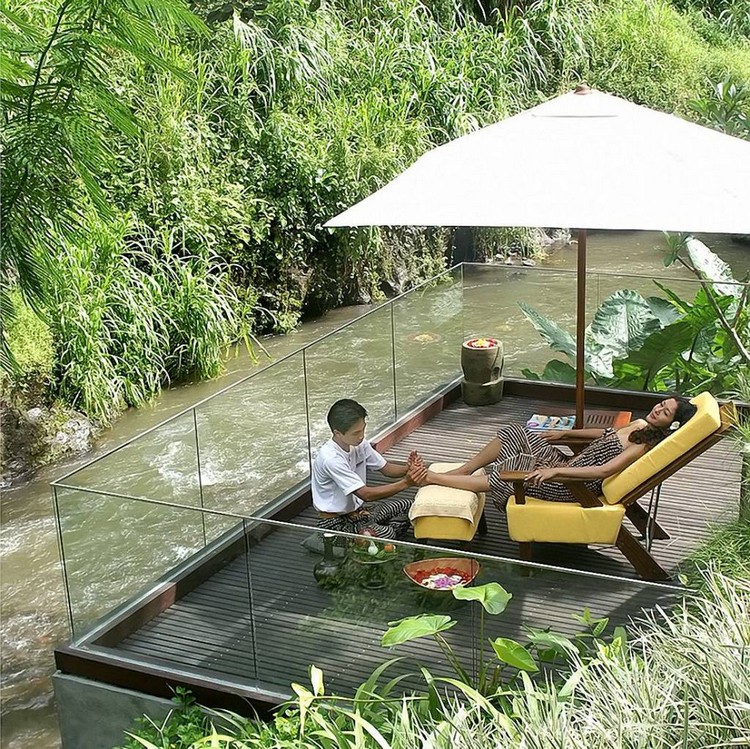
{"type": "Point", "coordinates": [133, 315]}
{"type": "Point", "coordinates": [291, 112]}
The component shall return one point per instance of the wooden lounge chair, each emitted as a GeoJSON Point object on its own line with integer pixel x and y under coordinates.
{"type": "Point", "coordinates": [598, 520]}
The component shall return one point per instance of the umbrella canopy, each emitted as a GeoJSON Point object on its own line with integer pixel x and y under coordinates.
{"type": "Point", "coordinates": [584, 159]}
{"type": "Point", "coordinates": [593, 161]}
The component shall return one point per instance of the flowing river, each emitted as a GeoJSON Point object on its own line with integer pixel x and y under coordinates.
{"type": "Point", "coordinates": [34, 617]}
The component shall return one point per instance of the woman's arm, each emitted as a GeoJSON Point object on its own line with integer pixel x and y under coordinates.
{"type": "Point", "coordinates": [562, 434]}
{"type": "Point", "coordinates": [588, 473]}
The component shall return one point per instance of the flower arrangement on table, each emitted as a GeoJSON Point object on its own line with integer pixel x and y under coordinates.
{"type": "Point", "coordinates": [373, 551]}
{"type": "Point", "coordinates": [481, 343]}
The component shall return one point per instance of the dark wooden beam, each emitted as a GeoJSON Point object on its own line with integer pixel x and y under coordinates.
{"type": "Point", "coordinates": [210, 691]}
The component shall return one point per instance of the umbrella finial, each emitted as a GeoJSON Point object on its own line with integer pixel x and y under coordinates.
{"type": "Point", "coordinates": [582, 88]}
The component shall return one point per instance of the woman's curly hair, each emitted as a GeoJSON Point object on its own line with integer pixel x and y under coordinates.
{"type": "Point", "coordinates": [652, 435]}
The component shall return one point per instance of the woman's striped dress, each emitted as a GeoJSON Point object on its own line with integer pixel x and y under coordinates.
{"type": "Point", "coordinates": [523, 450]}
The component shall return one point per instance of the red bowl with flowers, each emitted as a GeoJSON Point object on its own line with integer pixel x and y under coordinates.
{"type": "Point", "coordinates": [442, 573]}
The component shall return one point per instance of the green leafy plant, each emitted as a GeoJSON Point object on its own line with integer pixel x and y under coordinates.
{"type": "Point", "coordinates": [493, 599]}
{"type": "Point", "coordinates": [185, 725]}
{"type": "Point", "coordinates": [727, 108]}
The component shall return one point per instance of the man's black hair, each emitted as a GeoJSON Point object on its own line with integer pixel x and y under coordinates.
{"type": "Point", "coordinates": [344, 414]}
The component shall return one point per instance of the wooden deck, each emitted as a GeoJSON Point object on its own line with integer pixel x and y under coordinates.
{"type": "Point", "coordinates": [260, 621]}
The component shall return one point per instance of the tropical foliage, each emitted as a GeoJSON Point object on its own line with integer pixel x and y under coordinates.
{"type": "Point", "coordinates": [662, 344]}
{"type": "Point", "coordinates": [149, 143]}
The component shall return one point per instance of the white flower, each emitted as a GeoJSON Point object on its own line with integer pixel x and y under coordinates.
{"type": "Point", "coordinates": [674, 425]}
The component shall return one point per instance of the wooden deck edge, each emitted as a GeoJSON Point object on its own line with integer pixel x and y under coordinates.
{"type": "Point", "coordinates": [83, 660]}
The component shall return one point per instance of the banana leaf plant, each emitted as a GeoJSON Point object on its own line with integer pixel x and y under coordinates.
{"type": "Point", "coordinates": [657, 343]}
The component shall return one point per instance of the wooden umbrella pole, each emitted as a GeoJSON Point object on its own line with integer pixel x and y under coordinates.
{"type": "Point", "coordinates": [580, 326]}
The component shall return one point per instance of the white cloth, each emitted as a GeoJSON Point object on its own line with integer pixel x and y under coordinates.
{"type": "Point", "coordinates": [337, 474]}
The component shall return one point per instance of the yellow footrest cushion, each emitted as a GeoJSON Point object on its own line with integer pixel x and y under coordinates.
{"type": "Point", "coordinates": [443, 513]}
{"type": "Point", "coordinates": [563, 522]}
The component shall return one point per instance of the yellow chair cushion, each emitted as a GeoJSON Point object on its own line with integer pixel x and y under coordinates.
{"type": "Point", "coordinates": [563, 522]}
{"type": "Point", "coordinates": [705, 422]}
{"type": "Point", "coordinates": [441, 512]}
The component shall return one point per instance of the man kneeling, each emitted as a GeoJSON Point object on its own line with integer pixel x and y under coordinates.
{"type": "Point", "coordinates": [339, 479]}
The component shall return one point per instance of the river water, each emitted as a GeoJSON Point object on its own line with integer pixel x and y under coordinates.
{"type": "Point", "coordinates": [34, 617]}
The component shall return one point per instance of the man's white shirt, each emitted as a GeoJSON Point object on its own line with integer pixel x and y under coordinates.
{"type": "Point", "coordinates": [337, 474]}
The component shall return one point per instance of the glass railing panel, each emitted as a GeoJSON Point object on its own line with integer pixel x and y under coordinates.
{"type": "Point", "coordinates": [206, 630]}
{"type": "Point", "coordinates": [253, 439]}
{"type": "Point", "coordinates": [331, 606]}
{"type": "Point", "coordinates": [428, 333]}
{"type": "Point", "coordinates": [334, 613]}
{"type": "Point", "coordinates": [115, 549]}
{"type": "Point", "coordinates": [354, 362]}
{"type": "Point", "coordinates": [567, 603]}
{"type": "Point", "coordinates": [160, 465]}
{"type": "Point", "coordinates": [492, 294]}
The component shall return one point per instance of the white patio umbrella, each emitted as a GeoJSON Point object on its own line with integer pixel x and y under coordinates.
{"type": "Point", "coordinates": [584, 159]}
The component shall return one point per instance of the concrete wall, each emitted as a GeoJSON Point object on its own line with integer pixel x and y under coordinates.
{"type": "Point", "coordinates": [94, 715]}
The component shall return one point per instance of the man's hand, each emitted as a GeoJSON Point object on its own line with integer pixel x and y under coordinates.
{"type": "Point", "coordinates": [417, 475]}
{"type": "Point", "coordinates": [414, 459]}
{"type": "Point", "coordinates": [539, 476]}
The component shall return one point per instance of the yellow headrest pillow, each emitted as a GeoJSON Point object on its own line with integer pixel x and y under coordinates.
{"type": "Point", "coordinates": [706, 421]}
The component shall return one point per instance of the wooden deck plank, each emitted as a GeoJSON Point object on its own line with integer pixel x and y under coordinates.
{"type": "Point", "coordinates": [272, 632]}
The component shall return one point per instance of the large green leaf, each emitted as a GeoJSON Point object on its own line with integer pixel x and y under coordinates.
{"type": "Point", "coordinates": [424, 625]}
{"type": "Point", "coordinates": [680, 304]}
{"type": "Point", "coordinates": [492, 596]}
{"type": "Point", "coordinates": [664, 311]}
{"type": "Point", "coordinates": [514, 654]}
{"type": "Point", "coordinates": [711, 267]}
{"type": "Point", "coordinates": [552, 641]}
{"type": "Point", "coordinates": [659, 350]}
{"type": "Point", "coordinates": [558, 371]}
{"type": "Point", "coordinates": [702, 312]}
{"type": "Point", "coordinates": [598, 360]}
{"type": "Point", "coordinates": [559, 339]}
{"type": "Point", "coordinates": [622, 323]}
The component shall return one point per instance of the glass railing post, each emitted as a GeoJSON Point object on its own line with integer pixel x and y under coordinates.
{"type": "Point", "coordinates": [200, 476]}
{"type": "Point", "coordinates": [393, 359]}
{"type": "Point", "coordinates": [250, 606]}
{"type": "Point", "coordinates": [307, 411]}
{"type": "Point", "coordinates": [61, 550]}
{"type": "Point", "coordinates": [464, 334]}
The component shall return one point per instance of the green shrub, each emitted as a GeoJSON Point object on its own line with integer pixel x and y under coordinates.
{"type": "Point", "coordinates": [648, 53]}
{"type": "Point", "coordinates": [30, 340]}
{"type": "Point", "coordinates": [129, 315]}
